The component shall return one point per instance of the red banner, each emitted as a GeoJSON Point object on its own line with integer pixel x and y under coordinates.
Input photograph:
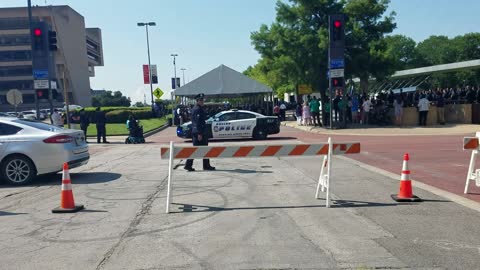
{"type": "Point", "coordinates": [146, 75]}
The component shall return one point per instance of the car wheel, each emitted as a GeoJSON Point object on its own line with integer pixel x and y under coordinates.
{"type": "Point", "coordinates": [259, 134]}
{"type": "Point", "coordinates": [18, 170]}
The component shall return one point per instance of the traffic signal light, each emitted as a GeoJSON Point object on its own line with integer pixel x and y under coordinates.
{"type": "Point", "coordinates": [38, 39]}
{"type": "Point", "coordinates": [337, 82]}
{"type": "Point", "coordinates": [42, 93]}
{"type": "Point", "coordinates": [337, 32]}
{"type": "Point", "coordinates": [52, 40]}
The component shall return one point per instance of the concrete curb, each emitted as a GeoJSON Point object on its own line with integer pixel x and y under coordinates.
{"type": "Point", "coordinates": [146, 134]}
{"type": "Point", "coordinates": [155, 131]}
{"type": "Point", "coordinates": [393, 132]}
{"type": "Point", "coordinates": [395, 177]}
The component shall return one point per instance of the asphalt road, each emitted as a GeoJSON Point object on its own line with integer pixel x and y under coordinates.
{"type": "Point", "coordinates": [250, 214]}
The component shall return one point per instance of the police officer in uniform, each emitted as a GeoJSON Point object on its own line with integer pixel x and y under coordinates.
{"type": "Point", "coordinates": [199, 134]}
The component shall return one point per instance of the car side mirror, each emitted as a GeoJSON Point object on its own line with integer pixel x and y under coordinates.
{"type": "Point", "coordinates": [215, 119]}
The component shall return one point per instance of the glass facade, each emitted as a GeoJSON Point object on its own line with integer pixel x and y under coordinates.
{"type": "Point", "coordinates": [14, 71]}
{"type": "Point", "coordinates": [13, 56]}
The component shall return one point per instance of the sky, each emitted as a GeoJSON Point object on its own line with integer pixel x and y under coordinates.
{"type": "Point", "coordinates": [208, 33]}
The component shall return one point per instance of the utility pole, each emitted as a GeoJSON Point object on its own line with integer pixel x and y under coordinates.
{"type": "Point", "coordinates": [149, 64]}
{"type": "Point", "coordinates": [174, 80]}
{"type": "Point", "coordinates": [65, 94]}
{"type": "Point", "coordinates": [30, 23]}
{"type": "Point", "coordinates": [183, 71]}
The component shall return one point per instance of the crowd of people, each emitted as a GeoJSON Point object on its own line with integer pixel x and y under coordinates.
{"type": "Point", "coordinates": [365, 109]}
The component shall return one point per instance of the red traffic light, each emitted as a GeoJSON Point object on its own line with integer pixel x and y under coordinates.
{"type": "Point", "coordinates": [37, 32]}
{"type": "Point", "coordinates": [337, 24]}
{"type": "Point", "coordinates": [335, 82]}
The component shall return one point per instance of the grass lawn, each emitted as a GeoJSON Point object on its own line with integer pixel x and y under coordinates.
{"type": "Point", "coordinates": [121, 129]}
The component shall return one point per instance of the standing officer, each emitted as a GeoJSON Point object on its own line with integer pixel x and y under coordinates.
{"type": "Point", "coordinates": [199, 134]}
{"type": "Point", "coordinates": [101, 121]}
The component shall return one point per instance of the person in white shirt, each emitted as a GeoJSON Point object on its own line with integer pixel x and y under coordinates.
{"type": "Point", "coordinates": [423, 106]}
{"type": "Point", "coordinates": [366, 110]}
{"type": "Point", "coordinates": [57, 118]}
{"type": "Point", "coordinates": [283, 109]}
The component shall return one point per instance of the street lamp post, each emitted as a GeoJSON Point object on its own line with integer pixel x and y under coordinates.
{"type": "Point", "coordinates": [174, 55]}
{"type": "Point", "coordinates": [174, 69]}
{"type": "Point", "coordinates": [149, 64]}
{"type": "Point", "coordinates": [183, 72]}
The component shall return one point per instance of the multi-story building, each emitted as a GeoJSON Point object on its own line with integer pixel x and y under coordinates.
{"type": "Point", "coordinates": [79, 52]}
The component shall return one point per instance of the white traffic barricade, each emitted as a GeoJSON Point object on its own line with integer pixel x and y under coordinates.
{"type": "Point", "coordinates": [261, 151]}
{"type": "Point", "coordinates": [472, 143]}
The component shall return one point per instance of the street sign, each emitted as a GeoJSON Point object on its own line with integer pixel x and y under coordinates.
{"type": "Point", "coordinates": [177, 84]}
{"type": "Point", "coordinates": [158, 93]}
{"type": "Point", "coordinates": [146, 75]}
{"type": "Point", "coordinates": [40, 74]}
{"type": "Point", "coordinates": [53, 84]}
{"type": "Point", "coordinates": [40, 84]}
{"type": "Point", "coordinates": [153, 69]}
{"type": "Point", "coordinates": [304, 89]}
{"type": "Point", "coordinates": [14, 97]}
{"type": "Point", "coordinates": [337, 73]}
{"type": "Point", "coordinates": [337, 63]}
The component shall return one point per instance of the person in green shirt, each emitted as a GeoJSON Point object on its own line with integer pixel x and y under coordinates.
{"type": "Point", "coordinates": [315, 111]}
{"type": "Point", "coordinates": [327, 111]}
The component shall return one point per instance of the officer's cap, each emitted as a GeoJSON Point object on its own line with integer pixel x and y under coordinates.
{"type": "Point", "coordinates": [199, 96]}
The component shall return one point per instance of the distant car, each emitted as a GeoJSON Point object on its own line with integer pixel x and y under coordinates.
{"type": "Point", "coordinates": [29, 115]}
{"type": "Point", "coordinates": [31, 148]}
{"type": "Point", "coordinates": [235, 124]}
{"type": "Point", "coordinates": [13, 114]}
{"type": "Point", "coordinates": [4, 114]}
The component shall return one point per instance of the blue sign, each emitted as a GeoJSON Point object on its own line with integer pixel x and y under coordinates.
{"type": "Point", "coordinates": [40, 74]}
{"type": "Point", "coordinates": [337, 63]}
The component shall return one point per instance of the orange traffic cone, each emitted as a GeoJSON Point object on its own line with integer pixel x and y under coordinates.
{"type": "Point", "coordinates": [405, 194]}
{"type": "Point", "coordinates": [67, 203]}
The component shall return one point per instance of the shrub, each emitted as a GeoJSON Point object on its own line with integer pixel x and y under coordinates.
{"type": "Point", "coordinates": [121, 116]}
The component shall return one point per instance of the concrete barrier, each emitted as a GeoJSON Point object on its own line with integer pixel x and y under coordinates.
{"type": "Point", "coordinates": [454, 114]}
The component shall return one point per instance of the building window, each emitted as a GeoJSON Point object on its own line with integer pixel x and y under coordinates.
{"type": "Point", "coordinates": [29, 99]}
{"type": "Point", "coordinates": [14, 40]}
{"type": "Point", "coordinates": [13, 23]}
{"type": "Point", "coordinates": [15, 71]}
{"type": "Point", "coordinates": [11, 56]}
{"type": "Point", "coordinates": [92, 45]}
{"type": "Point", "coordinates": [93, 57]}
{"type": "Point", "coordinates": [20, 85]}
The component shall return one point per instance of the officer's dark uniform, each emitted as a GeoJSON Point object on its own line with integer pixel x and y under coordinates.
{"type": "Point", "coordinates": [199, 128]}
{"type": "Point", "coordinates": [101, 121]}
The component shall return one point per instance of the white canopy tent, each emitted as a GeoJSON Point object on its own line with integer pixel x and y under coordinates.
{"type": "Point", "coordinates": [223, 82]}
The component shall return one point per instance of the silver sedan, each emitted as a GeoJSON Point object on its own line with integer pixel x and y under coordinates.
{"type": "Point", "coordinates": [29, 148]}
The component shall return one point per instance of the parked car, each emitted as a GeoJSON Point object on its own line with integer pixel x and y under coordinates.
{"type": "Point", "coordinates": [28, 115]}
{"type": "Point", "coordinates": [30, 148]}
{"type": "Point", "coordinates": [235, 124]}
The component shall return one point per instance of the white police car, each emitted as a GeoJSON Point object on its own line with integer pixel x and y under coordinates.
{"type": "Point", "coordinates": [235, 124]}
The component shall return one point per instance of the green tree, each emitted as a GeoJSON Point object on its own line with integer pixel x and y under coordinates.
{"type": "Point", "coordinates": [111, 99]}
{"type": "Point", "coordinates": [139, 104]}
{"type": "Point", "coordinates": [402, 50]}
{"type": "Point", "coordinates": [294, 48]}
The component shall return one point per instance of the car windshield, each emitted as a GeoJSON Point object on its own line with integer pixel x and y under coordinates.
{"type": "Point", "coordinates": [38, 125]}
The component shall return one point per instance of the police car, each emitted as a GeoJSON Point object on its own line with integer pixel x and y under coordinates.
{"type": "Point", "coordinates": [235, 124]}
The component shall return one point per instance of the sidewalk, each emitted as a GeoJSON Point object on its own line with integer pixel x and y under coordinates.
{"type": "Point", "coordinates": [452, 129]}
